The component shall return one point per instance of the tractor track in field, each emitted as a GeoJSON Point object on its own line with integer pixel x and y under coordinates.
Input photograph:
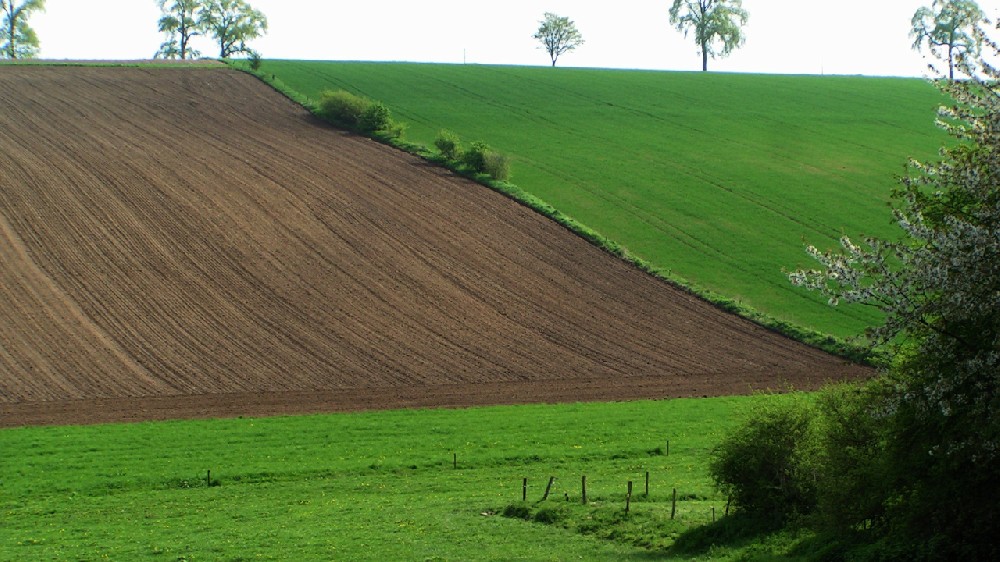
{"type": "Point", "coordinates": [189, 243]}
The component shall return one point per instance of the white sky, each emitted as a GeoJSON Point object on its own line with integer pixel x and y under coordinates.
{"type": "Point", "coordinates": [783, 36]}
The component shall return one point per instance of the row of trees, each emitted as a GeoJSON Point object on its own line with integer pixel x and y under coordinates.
{"type": "Point", "coordinates": [231, 23]}
{"type": "Point", "coordinates": [717, 26]}
{"type": "Point", "coordinates": [945, 28]}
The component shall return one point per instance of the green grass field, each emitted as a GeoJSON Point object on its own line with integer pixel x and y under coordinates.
{"type": "Point", "coordinates": [718, 179]}
{"type": "Point", "coordinates": [378, 486]}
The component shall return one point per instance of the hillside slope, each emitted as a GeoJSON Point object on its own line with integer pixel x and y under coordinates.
{"type": "Point", "coordinates": [720, 179]}
{"type": "Point", "coordinates": [187, 242]}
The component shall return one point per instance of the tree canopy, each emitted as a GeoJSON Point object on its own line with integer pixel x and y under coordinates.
{"type": "Point", "coordinates": [232, 23]}
{"type": "Point", "coordinates": [180, 23]}
{"type": "Point", "coordinates": [948, 25]}
{"type": "Point", "coordinates": [17, 39]}
{"type": "Point", "coordinates": [717, 25]}
{"type": "Point", "coordinates": [558, 36]}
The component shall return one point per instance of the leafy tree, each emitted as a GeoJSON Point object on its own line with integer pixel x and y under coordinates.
{"type": "Point", "coordinates": [17, 38]}
{"type": "Point", "coordinates": [717, 24]}
{"type": "Point", "coordinates": [948, 24]}
{"type": "Point", "coordinates": [232, 23]}
{"type": "Point", "coordinates": [558, 35]}
{"type": "Point", "coordinates": [180, 22]}
{"type": "Point", "coordinates": [939, 287]}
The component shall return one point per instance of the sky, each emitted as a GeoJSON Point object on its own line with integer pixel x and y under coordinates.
{"type": "Point", "coordinates": [868, 37]}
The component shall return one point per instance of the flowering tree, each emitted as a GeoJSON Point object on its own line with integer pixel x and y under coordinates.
{"type": "Point", "coordinates": [939, 287]}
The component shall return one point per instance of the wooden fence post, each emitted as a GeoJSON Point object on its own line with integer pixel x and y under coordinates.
{"type": "Point", "coordinates": [673, 505]}
{"type": "Point", "coordinates": [548, 488]}
{"type": "Point", "coordinates": [628, 497]}
{"type": "Point", "coordinates": [524, 490]}
{"type": "Point", "coordinates": [647, 483]}
{"type": "Point", "coordinates": [583, 484]}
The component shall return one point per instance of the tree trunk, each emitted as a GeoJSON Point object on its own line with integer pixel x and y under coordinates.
{"type": "Point", "coordinates": [951, 64]}
{"type": "Point", "coordinates": [12, 21]}
{"type": "Point", "coordinates": [704, 58]}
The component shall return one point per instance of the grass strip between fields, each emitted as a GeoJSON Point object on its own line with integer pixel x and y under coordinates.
{"type": "Point", "coordinates": [826, 342]}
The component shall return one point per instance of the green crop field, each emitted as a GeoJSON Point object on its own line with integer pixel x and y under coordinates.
{"type": "Point", "coordinates": [716, 179]}
{"type": "Point", "coordinates": [378, 486]}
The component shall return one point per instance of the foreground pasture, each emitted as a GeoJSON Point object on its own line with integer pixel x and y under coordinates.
{"type": "Point", "coordinates": [365, 486]}
{"type": "Point", "coordinates": [716, 179]}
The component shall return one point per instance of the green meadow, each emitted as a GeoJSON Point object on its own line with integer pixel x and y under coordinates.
{"type": "Point", "coordinates": [716, 179]}
{"type": "Point", "coordinates": [375, 486]}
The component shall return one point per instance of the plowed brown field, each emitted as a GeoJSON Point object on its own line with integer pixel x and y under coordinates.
{"type": "Point", "coordinates": [187, 243]}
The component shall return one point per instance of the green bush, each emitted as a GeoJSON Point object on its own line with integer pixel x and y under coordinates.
{"type": "Point", "coordinates": [517, 511]}
{"type": "Point", "coordinates": [475, 157]}
{"type": "Point", "coordinates": [344, 108]}
{"type": "Point", "coordinates": [767, 466]}
{"type": "Point", "coordinates": [376, 117]}
{"type": "Point", "coordinates": [482, 159]}
{"type": "Point", "coordinates": [253, 59]}
{"type": "Point", "coordinates": [395, 129]}
{"type": "Point", "coordinates": [853, 472]}
{"type": "Point", "coordinates": [449, 144]}
{"type": "Point", "coordinates": [497, 165]}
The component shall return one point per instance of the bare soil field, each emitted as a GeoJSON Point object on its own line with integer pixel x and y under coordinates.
{"type": "Point", "coordinates": [189, 243]}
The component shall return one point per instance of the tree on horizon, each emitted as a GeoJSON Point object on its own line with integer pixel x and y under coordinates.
{"type": "Point", "coordinates": [717, 25]}
{"type": "Point", "coordinates": [558, 35]}
{"type": "Point", "coordinates": [17, 39]}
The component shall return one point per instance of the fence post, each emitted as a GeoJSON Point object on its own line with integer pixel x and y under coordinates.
{"type": "Point", "coordinates": [548, 488]}
{"type": "Point", "coordinates": [647, 483]}
{"type": "Point", "coordinates": [583, 484]}
{"type": "Point", "coordinates": [673, 505]}
{"type": "Point", "coordinates": [628, 497]}
{"type": "Point", "coordinates": [524, 490]}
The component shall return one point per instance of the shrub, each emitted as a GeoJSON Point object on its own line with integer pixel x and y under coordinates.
{"type": "Point", "coordinates": [497, 165]}
{"type": "Point", "coordinates": [517, 511]}
{"type": "Point", "coordinates": [767, 465]}
{"type": "Point", "coordinates": [376, 117]}
{"type": "Point", "coordinates": [395, 129]}
{"type": "Point", "coordinates": [343, 108]}
{"type": "Point", "coordinates": [853, 472]}
{"type": "Point", "coordinates": [475, 157]}
{"type": "Point", "coordinates": [449, 145]}
{"type": "Point", "coordinates": [253, 58]}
